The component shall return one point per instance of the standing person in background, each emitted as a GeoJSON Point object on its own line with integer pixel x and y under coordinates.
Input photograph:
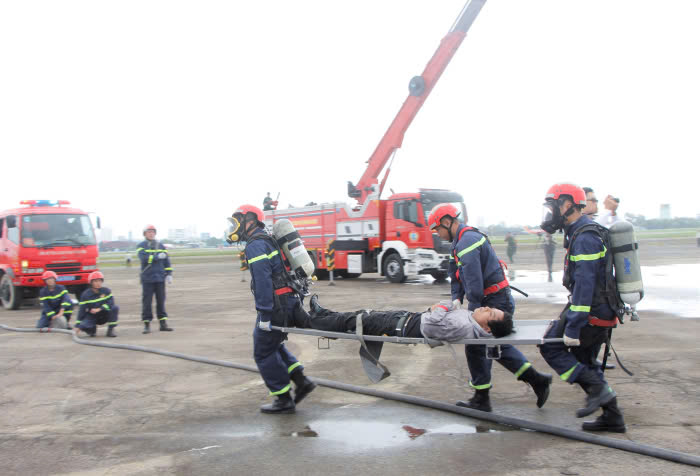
{"type": "Point", "coordinates": [549, 247]}
{"type": "Point", "coordinates": [610, 216]}
{"type": "Point", "coordinates": [512, 246]}
{"type": "Point", "coordinates": [155, 272]}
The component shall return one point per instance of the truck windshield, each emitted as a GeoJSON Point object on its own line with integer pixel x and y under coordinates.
{"type": "Point", "coordinates": [430, 202]}
{"type": "Point", "coordinates": [56, 230]}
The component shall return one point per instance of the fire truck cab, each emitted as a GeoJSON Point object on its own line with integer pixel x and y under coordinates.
{"type": "Point", "coordinates": [45, 235]}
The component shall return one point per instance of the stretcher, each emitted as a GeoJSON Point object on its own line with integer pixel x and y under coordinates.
{"type": "Point", "coordinates": [527, 332]}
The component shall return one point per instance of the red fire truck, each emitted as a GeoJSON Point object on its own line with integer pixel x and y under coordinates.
{"type": "Point", "coordinates": [388, 236]}
{"type": "Point", "coordinates": [45, 235]}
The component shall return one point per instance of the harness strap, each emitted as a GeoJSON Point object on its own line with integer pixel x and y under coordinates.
{"type": "Point", "coordinates": [496, 287]}
{"type": "Point", "coordinates": [594, 321]}
{"type": "Point", "coordinates": [285, 290]}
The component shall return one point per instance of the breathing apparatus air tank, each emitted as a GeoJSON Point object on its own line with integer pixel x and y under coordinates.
{"type": "Point", "coordinates": [628, 273]}
{"type": "Point", "coordinates": [293, 248]}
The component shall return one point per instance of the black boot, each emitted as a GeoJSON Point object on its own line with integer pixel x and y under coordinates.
{"type": "Point", "coordinates": [164, 325]}
{"type": "Point", "coordinates": [539, 383]}
{"type": "Point", "coordinates": [611, 419]}
{"type": "Point", "coordinates": [304, 386]}
{"type": "Point", "coordinates": [315, 307]}
{"type": "Point", "coordinates": [283, 404]}
{"type": "Point", "coordinates": [110, 332]}
{"type": "Point", "coordinates": [146, 327]}
{"type": "Point", "coordinates": [480, 401]}
{"type": "Point", "coordinates": [598, 393]}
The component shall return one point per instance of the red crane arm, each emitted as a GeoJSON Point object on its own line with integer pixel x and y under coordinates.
{"type": "Point", "coordinates": [419, 89]}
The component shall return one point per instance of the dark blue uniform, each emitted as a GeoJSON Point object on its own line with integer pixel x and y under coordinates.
{"type": "Point", "coordinates": [273, 359]}
{"type": "Point", "coordinates": [153, 273]}
{"type": "Point", "coordinates": [477, 268]}
{"type": "Point", "coordinates": [585, 264]}
{"type": "Point", "coordinates": [52, 301]}
{"type": "Point", "coordinates": [97, 299]}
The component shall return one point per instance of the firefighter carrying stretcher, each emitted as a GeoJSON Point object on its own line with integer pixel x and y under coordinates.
{"type": "Point", "coordinates": [276, 304]}
{"type": "Point", "coordinates": [477, 274]}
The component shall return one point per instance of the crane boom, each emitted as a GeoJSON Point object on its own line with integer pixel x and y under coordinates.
{"type": "Point", "coordinates": [419, 89]}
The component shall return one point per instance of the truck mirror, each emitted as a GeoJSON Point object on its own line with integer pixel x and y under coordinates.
{"type": "Point", "coordinates": [11, 221]}
{"type": "Point", "coordinates": [99, 224]}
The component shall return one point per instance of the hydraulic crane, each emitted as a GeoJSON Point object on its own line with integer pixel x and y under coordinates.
{"type": "Point", "coordinates": [419, 89]}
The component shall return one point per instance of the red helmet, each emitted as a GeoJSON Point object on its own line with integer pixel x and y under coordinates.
{"type": "Point", "coordinates": [559, 189]}
{"type": "Point", "coordinates": [439, 212]}
{"type": "Point", "coordinates": [149, 227]}
{"type": "Point", "coordinates": [95, 275]}
{"type": "Point", "coordinates": [245, 209]}
{"type": "Point", "coordinates": [48, 274]}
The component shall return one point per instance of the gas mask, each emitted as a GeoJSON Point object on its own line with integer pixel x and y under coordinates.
{"type": "Point", "coordinates": [552, 219]}
{"type": "Point", "coordinates": [236, 230]}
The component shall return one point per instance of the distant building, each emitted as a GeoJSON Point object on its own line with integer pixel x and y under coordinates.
{"type": "Point", "coordinates": [204, 236]}
{"type": "Point", "coordinates": [665, 211]}
{"type": "Point", "coordinates": [176, 234]}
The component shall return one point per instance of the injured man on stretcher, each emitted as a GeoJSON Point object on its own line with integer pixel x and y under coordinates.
{"type": "Point", "coordinates": [441, 322]}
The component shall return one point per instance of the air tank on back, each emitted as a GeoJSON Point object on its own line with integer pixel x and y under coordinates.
{"type": "Point", "coordinates": [628, 273]}
{"type": "Point", "coordinates": [293, 248]}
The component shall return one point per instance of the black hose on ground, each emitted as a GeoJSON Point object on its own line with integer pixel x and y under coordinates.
{"type": "Point", "coordinates": [619, 444]}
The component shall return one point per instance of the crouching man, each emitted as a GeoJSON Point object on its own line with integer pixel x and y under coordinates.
{"type": "Point", "coordinates": [56, 304]}
{"type": "Point", "coordinates": [97, 308]}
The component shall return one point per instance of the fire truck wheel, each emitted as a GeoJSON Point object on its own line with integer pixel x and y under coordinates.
{"type": "Point", "coordinates": [393, 268]}
{"type": "Point", "coordinates": [321, 274]}
{"type": "Point", "coordinates": [439, 276]}
{"type": "Point", "coordinates": [10, 295]}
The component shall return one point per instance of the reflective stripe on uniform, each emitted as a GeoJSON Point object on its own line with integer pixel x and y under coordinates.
{"type": "Point", "coordinates": [154, 251]}
{"type": "Point", "coordinates": [280, 392]}
{"type": "Point", "coordinates": [479, 387]}
{"type": "Point", "coordinates": [565, 376]}
{"type": "Point", "coordinates": [66, 304]}
{"type": "Point", "coordinates": [49, 314]}
{"type": "Point", "coordinates": [293, 366]}
{"type": "Point", "coordinates": [54, 297]}
{"type": "Point", "coordinates": [96, 300]}
{"type": "Point", "coordinates": [168, 269]}
{"type": "Point", "coordinates": [580, 308]}
{"type": "Point", "coordinates": [150, 259]}
{"type": "Point", "coordinates": [263, 256]}
{"type": "Point", "coordinates": [471, 248]}
{"type": "Point", "coordinates": [591, 257]}
{"type": "Point", "coordinates": [522, 369]}
{"type": "Point", "coordinates": [106, 307]}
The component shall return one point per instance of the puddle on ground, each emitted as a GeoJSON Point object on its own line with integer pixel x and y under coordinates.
{"type": "Point", "coordinates": [672, 289]}
{"type": "Point", "coordinates": [372, 434]}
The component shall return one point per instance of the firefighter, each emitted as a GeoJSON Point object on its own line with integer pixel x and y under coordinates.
{"type": "Point", "coordinates": [276, 304]}
{"type": "Point", "coordinates": [477, 275]}
{"type": "Point", "coordinates": [585, 321]}
{"type": "Point", "coordinates": [96, 308]}
{"type": "Point", "coordinates": [55, 302]}
{"type": "Point", "coordinates": [155, 272]}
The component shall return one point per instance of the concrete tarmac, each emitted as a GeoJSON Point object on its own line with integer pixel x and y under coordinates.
{"type": "Point", "coordinates": [72, 409]}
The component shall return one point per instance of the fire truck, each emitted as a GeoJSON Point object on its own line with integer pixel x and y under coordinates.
{"type": "Point", "coordinates": [389, 236]}
{"type": "Point", "coordinates": [45, 235]}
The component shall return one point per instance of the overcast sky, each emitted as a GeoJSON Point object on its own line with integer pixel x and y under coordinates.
{"type": "Point", "coordinates": [173, 113]}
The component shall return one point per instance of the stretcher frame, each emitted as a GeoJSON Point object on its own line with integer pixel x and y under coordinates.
{"type": "Point", "coordinates": [527, 332]}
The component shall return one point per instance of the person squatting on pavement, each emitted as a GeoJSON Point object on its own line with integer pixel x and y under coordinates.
{"type": "Point", "coordinates": [585, 321]}
{"type": "Point", "coordinates": [155, 272]}
{"type": "Point", "coordinates": [56, 303]}
{"type": "Point", "coordinates": [276, 304]}
{"type": "Point", "coordinates": [441, 322]}
{"type": "Point", "coordinates": [477, 274]}
{"type": "Point", "coordinates": [96, 308]}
